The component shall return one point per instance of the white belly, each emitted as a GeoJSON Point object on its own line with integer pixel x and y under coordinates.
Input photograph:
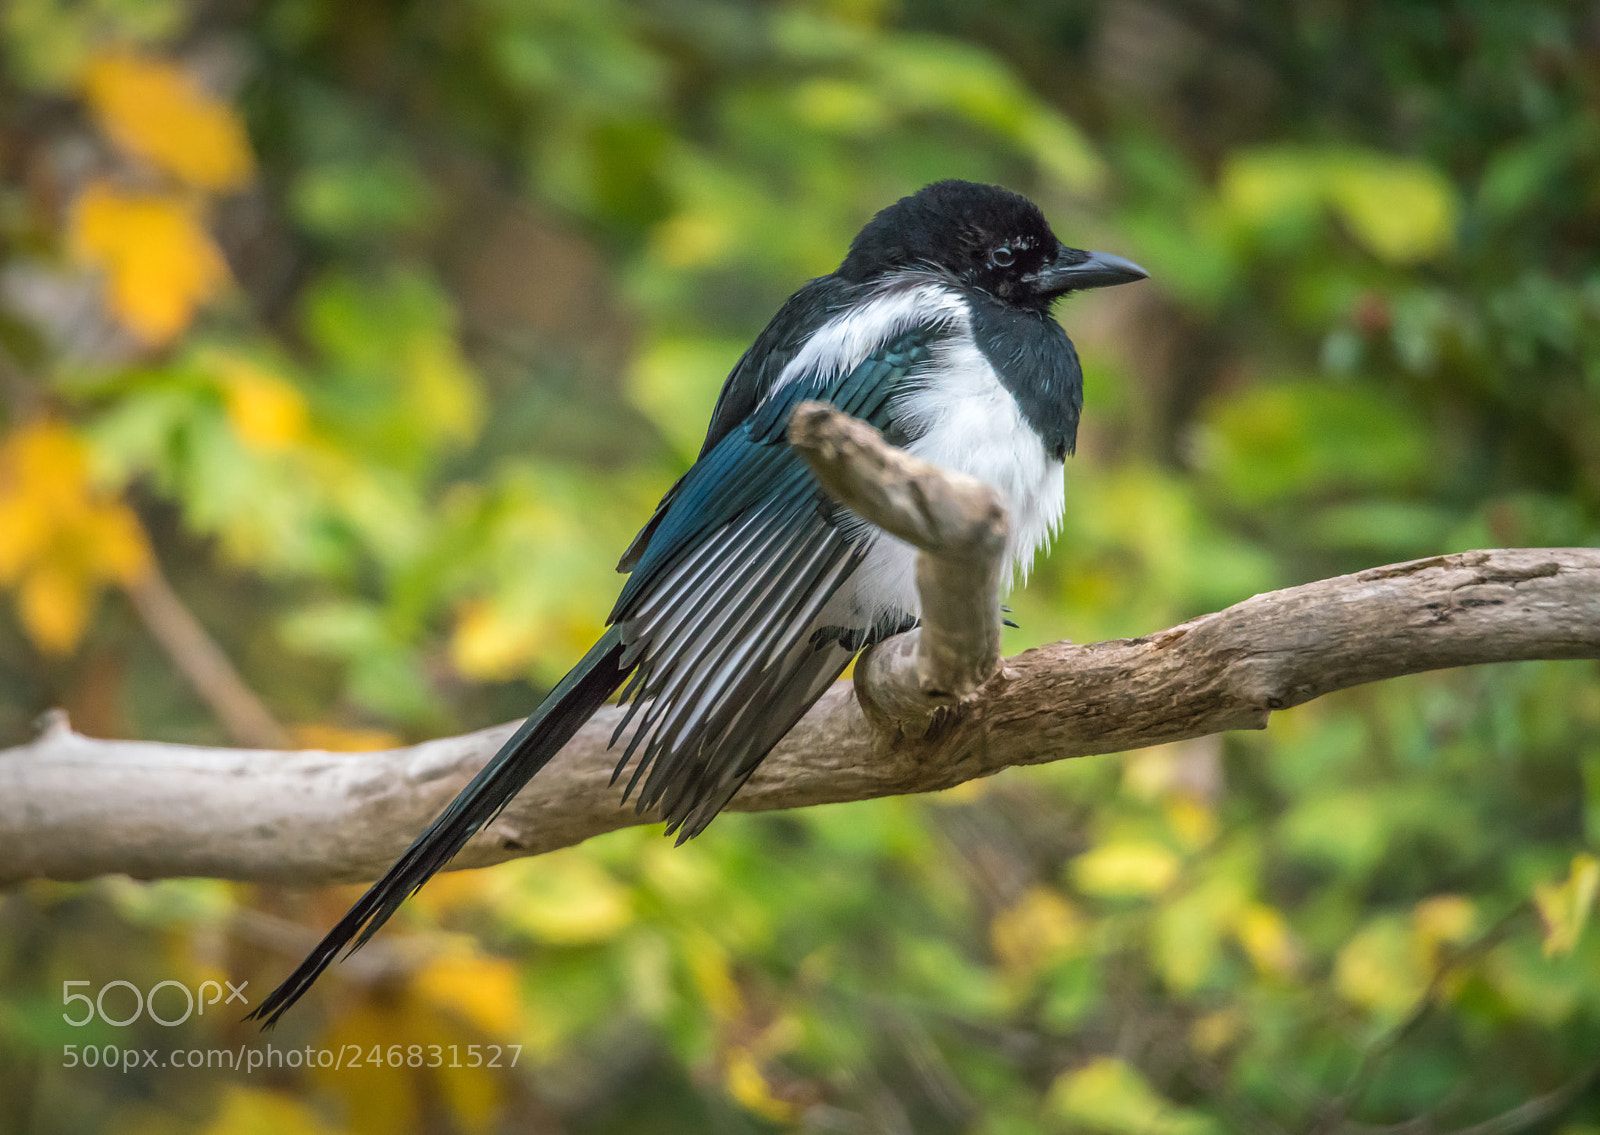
{"type": "Point", "coordinates": [969, 423]}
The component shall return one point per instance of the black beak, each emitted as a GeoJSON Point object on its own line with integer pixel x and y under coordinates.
{"type": "Point", "coordinates": [1074, 270]}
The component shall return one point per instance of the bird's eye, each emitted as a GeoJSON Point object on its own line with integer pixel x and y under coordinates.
{"type": "Point", "coordinates": [1001, 257]}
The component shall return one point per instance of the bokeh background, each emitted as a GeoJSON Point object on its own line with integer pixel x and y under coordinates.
{"type": "Point", "coordinates": [364, 334]}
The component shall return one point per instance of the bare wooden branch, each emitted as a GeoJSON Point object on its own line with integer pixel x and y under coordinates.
{"type": "Point", "coordinates": [959, 526]}
{"type": "Point", "coordinates": [72, 807]}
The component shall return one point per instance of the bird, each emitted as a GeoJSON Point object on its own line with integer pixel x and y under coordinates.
{"type": "Point", "coordinates": [749, 589]}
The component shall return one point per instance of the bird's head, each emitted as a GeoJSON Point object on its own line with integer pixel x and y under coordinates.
{"type": "Point", "coordinates": [985, 237]}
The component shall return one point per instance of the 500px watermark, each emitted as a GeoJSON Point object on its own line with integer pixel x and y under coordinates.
{"type": "Point", "coordinates": [247, 1059]}
{"type": "Point", "coordinates": [193, 1003]}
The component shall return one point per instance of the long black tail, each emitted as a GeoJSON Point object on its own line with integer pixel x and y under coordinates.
{"type": "Point", "coordinates": [584, 690]}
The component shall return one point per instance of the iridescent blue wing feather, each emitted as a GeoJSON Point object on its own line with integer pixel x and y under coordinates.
{"type": "Point", "coordinates": [721, 615]}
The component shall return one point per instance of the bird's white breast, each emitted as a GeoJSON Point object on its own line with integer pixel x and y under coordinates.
{"type": "Point", "coordinates": [963, 418]}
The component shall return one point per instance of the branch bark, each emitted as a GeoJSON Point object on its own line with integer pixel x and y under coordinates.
{"type": "Point", "coordinates": [72, 807]}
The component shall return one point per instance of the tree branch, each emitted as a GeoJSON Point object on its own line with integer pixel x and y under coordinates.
{"type": "Point", "coordinates": [72, 807]}
{"type": "Point", "coordinates": [959, 527]}
{"type": "Point", "coordinates": [198, 657]}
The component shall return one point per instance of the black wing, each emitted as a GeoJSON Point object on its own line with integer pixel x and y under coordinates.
{"type": "Point", "coordinates": [720, 616]}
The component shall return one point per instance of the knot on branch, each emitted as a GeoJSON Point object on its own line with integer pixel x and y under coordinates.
{"type": "Point", "coordinates": [52, 725]}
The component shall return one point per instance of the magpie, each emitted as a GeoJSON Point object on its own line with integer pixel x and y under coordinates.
{"type": "Point", "coordinates": [749, 589]}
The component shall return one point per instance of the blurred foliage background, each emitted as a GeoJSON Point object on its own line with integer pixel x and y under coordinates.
{"type": "Point", "coordinates": [366, 333]}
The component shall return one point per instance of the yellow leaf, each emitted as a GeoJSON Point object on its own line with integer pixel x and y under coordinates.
{"type": "Point", "coordinates": [1107, 1095]}
{"type": "Point", "coordinates": [156, 112]}
{"type": "Point", "coordinates": [479, 989]}
{"type": "Point", "coordinates": [54, 607]}
{"type": "Point", "coordinates": [713, 979]}
{"type": "Point", "coordinates": [1265, 937]}
{"type": "Point", "coordinates": [1402, 210]}
{"type": "Point", "coordinates": [1125, 868]}
{"type": "Point", "coordinates": [476, 1098]}
{"type": "Point", "coordinates": [489, 645]}
{"type": "Point", "coordinates": [27, 527]}
{"type": "Point", "coordinates": [1191, 820]}
{"type": "Point", "coordinates": [116, 547]}
{"type": "Point", "coordinates": [381, 1095]}
{"type": "Point", "coordinates": [1262, 187]}
{"type": "Point", "coordinates": [414, 1050]}
{"type": "Point", "coordinates": [160, 263]}
{"type": "Point", "coordinates": [63, 538]}
{"type": "Point", "coordinates": [248, 1111]}
{"type": "Point", "coordinates": [266, 411]}
{"type": "Point", "coordinates": [564, 898]}
{"type": "Point", "coordinates": [43, 467]}
{"type": "Point", "coordinates": [1379, 970]}
{"type": "Point", "coordinates": [1442, 920]}
{"type": "Point", "coordinates": [1564, 907]}
{"type": "Point", "coordinates": [746, 1084]}
{"type": "Point", "coordinates": [1040, 928]}
{"type": "Point", "coordinates": [1438, 922]}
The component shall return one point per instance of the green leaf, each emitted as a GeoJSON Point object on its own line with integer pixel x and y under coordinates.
{"type": "Point", "coordinates": [1401, 209]}
{"type": "Point", "coordinates": [675, 382]}
{"type": "Point", "coordinates": [1287, 440]}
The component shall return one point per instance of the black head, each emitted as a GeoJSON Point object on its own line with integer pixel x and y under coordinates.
{"type": "Point", "coordinates": [985, 237]}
